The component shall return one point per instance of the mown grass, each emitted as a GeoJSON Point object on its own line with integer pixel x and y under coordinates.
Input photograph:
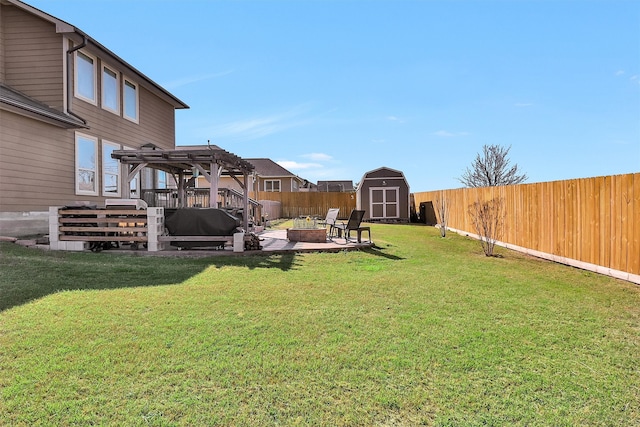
{"type": "Point", "coordinates": [417, 331]}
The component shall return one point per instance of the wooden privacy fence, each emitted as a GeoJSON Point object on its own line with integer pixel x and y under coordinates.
{"type": "Point", "coordinates": [591, 220]}
{"type": "Point", "coordinates": [315, 204]}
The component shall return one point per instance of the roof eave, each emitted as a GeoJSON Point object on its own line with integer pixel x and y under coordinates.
{"type": "Point", "coordinates": [66, 28]}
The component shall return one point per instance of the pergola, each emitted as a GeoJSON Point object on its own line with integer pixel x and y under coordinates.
{"type": "Point", "coordinates": [209, 161]}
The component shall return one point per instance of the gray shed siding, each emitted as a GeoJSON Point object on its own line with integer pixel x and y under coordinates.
{"type": "Point", "coordinates": [384, 195]}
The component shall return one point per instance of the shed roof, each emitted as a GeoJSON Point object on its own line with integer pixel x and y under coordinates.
{"type": "Point", "coordinates": [382, 173]}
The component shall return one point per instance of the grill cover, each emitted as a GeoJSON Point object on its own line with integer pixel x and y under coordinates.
{"type": "Point", "coordinates": [201, 222]}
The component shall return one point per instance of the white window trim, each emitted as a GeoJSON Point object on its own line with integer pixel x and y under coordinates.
{"type": "Point", "coordinates": [76, 93]}
{"type": "Point", "coordinates": [273, 180]}
{"type": "Point", "coordinates": [118, 173]}
{"type": "Point", "coordinates": [77, 168]}
{"type": "Point", "coordinates": [136, 119]}
{"type": "Point", "coordinates": [124, 169]}
{"type": "Point", "coordinates": [384, 201]}
{"type": "Point", "coordinates": [102, 98]}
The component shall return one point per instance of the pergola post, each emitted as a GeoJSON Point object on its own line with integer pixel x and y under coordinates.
{"type": "Point", "coordinates": [181, 190]}
{"type": "Point", "coordinates": [213, 185]}
{"type": "Point", "coordinates": [245, 200]}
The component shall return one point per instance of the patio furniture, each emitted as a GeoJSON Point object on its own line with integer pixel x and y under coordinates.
{"type": "Point", "coordinates": [352, 224]}
{"type": "Point", "coordinates": [330, 219]}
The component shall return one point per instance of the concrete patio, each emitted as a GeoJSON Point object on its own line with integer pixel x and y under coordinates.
{"type": "Point", "coordinates": [271, 242]}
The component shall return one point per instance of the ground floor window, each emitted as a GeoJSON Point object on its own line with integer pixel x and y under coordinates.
{"type": "Point", "coordinates": [161, 179]}
{"type": "Point", "coordinates": [110, 170]}
{"type": "Point", "coordinates": [86, 165]}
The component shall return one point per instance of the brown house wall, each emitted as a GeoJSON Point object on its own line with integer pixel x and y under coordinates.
{"type": "Point", "coordinates": [156, 124]}
{"type": "Point", "coordinates": [37, 160]}
{"type": "Point", "coordinates": [36, 164]}
{"type": "Point", "coordinates": [2, 49]}
{"type": "Point", "coordinates": [227, 182]}
{"type": "Point", "coordinates": [33, 56]}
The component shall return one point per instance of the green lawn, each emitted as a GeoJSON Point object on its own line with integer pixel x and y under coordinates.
{"type": "Point", "coordinates": [419, 330]}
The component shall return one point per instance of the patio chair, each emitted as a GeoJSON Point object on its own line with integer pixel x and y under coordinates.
{"type": "Point", "coordinates": [332, 216]}
{"type": "Point", "coordinates": [352, 224]}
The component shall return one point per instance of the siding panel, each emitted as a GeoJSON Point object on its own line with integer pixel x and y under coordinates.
{"type": "Point", "coordinates": [33, 54]}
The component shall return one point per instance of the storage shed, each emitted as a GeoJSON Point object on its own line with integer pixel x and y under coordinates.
{"type": "Point", "coordinates": [383, 193]}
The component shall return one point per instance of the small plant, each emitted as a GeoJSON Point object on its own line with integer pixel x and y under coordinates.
{"type": "Point", "coordinates": [488, 221]}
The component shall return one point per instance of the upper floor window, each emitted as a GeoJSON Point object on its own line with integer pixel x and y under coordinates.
{"type": "Point", "coordinates": [131, 100]}
{"type": "Point", "coordinates": [86, 165]}
{"type": "Point", "coordinates": [272, 185]}
{"type": "Point", "coordinates": [110, 90]}
{"type": "Point", "coordinates": [85, 77]}
{"type": "Point", "coordinates": [110, 170]}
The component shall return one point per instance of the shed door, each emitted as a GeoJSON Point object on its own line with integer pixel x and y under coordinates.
{"type": "Point", "coordinates": [384, 202]}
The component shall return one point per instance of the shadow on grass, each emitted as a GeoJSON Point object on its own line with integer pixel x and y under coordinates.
{"type": "Point", "coordinates": [378, 251]}
{"type": "Point", "coordinates": [27, 274]}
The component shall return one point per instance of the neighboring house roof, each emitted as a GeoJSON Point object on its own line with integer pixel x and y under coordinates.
{"type": "Point", "coordinates": [267, 168]}
{"type": "Point", "coordinates": [78, 36]}
{"type": "Point", "coordinates": [20, 103]}
{"type": "Point", "coordinates": [335, 186]}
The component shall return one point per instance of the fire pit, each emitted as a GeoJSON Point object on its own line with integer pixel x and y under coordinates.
{"type": "Point", "coordinates": [306, 229]}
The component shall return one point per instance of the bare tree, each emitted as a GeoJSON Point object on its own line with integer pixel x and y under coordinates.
{"type": "Point", "coordinates": [491, 168]}
{"type": "Point", "coordinates": [488, 221]}
{"type": "Point", "coordinates": [442, 213]}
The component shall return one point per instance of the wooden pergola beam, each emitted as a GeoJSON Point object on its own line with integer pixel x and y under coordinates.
{"type": "Point", "coordinates": [180, 163]}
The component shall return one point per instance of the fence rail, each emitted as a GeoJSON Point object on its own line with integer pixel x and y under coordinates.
{"type": "Point", "coordinates": [592, 220]}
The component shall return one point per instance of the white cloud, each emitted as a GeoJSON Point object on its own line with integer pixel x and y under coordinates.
{"type": "Point", "coordinates": [260, 126]}
{"type": "Point", "coordinates": [320, 157]}
{"type": "Point", "coordinates": [395, 119]}
{"type": "Point", "coordinates": [619, 72]}
{"type": "Point", "coordinates": [194, 79]}
{"type": "Point", "coordinates": [293, 165]}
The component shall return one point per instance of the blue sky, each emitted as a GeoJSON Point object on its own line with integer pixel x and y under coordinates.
{"type": "Point", "coordinates": [332, 89]}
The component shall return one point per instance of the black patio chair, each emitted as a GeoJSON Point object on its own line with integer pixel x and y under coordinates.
{"type": "Point", "coordinates": [352, 224]}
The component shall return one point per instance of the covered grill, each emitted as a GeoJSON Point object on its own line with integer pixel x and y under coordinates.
{"type": "Point", "coordinates": [201, 222]}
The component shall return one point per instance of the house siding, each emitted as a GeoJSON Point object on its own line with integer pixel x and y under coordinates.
{"type": "Point", "coordinates": [33, 56]}
{"type": "Point", "coordinates": [2, 45]}
{"type": "Point", "coordinates": [37, 159]}
{"type": "Point", "coordinates": [156, 122]}
{"type": "Point", "coordinates": [37, 164]}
